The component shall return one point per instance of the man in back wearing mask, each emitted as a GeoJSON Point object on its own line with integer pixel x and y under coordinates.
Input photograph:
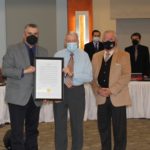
{"type": "Point", "coordinates": [95, 45]}
{"type": "Point", "coordinates": [111, 75]}
{"type": "Point", "coordinates": [77, 71]}
{"type": "Point", "coordinates": [139, 56]}
{"type": "Point", "coordinates": [18, 66]}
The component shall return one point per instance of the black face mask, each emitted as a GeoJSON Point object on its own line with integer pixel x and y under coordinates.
{"type": "Point", "coordinates": [32, 39]}
{"type": "Point", "coordinates": [135, 42]}
{"type": "Point", "coordinates": [109, 45]}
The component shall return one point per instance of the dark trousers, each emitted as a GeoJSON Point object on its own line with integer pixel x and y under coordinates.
{"type": "Point", "coordinates": [74, 100]}
{"type": "Point", "coordinates": [105, 114]}
{"type": "Point", "coordinates": [28, 115]}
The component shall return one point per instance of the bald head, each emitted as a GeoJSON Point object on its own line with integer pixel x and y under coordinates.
{"type": "Point", "coordinates": [109, 35]}
{"type": "Point", "coordinates": [109, 40]}
{"type": "Point", "coordinates": [71, 37]}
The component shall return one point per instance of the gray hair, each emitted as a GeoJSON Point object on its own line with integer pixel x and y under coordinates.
{"type": "Point", "coordinates": [110, 31]}
{"type": "Point", "coordinates": [71, 33]}
{"type": "Point", "coordinates": [32, 25]}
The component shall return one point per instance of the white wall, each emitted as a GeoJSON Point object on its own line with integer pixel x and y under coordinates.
{"type": "Point", "coordinates": [2, 30]}
{"type": "Point", "coordinates": [42, 12]}
{"type": "Point", "coordinates": [61, 22]}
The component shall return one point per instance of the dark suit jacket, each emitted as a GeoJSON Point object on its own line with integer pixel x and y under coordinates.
{"type": "Point", "coordinates": [142, 64]}
{"type": "Point", "coordinates": [90, 49]}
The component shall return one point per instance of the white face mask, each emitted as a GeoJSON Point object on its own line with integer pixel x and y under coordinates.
{"type": "Point", "coordinates": [96, 39]}
{"type": "Point", "coordinates": [72, 46]}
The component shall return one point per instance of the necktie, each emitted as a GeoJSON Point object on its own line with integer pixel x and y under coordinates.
{"type": "Point", "coordinates": [136, 53]}
{"type": "Point", "coordinates": [96, 45]}
{"type": "Point", "coordinates": [71, 62]}
{"type": "Point", "coordinates": [107, 56]}
{"type": "Point", "coordinates": [68, 79]}
{"type": "Point", "coordinates": [31, 54]}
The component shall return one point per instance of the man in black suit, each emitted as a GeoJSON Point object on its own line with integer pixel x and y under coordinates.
{"type": "Point", "coordinates": [139, 56]}
{"type": "Point", "coordinates": [95, 45]}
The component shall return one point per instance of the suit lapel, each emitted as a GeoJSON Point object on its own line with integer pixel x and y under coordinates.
{"type": "Point", "coordinates": [25, 54]}
{"type": "Point", "coordinates": [93, 47]}
{"type": "Point", "coordinates": [99, 63]}
{"type": "Point", "coordinates": [113, 63]}
{"type": "Point", "coordinates": [37, 52]}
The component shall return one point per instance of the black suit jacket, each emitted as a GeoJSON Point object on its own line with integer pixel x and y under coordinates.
{"type": "Point", "coordinates": [90, 49]}
{"type": "Point", "coordinates": [142, 64]}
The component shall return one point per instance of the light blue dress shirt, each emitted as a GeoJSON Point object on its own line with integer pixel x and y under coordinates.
{"type": "Point", "coordinates": [82, 65]}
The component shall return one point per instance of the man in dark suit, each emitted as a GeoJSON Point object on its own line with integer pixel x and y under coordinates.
{"type": "Point", "coordinates": [139, 56]}
{"type": "Point", "coordinates": [18, 67]}
{"type": "Point", "coordinates": [95, 45]}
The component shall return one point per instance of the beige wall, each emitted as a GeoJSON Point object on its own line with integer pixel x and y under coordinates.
{"type": "Point", "coordinates": [130, 8]}
{"type": "Point", "coordinates": [102, 19]}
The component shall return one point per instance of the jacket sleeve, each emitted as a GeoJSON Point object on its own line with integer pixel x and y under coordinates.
{"type": "Point", "coordinates": [95, 85]}
{"type": "Point", "coordinates": [146, 63]}
{"type": "Point", "coordinates": [9, 68]}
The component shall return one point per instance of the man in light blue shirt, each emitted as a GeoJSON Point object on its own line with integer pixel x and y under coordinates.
{"type": "Point", "coordinates": [77, 70]}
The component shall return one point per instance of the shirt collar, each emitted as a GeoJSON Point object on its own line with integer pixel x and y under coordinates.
{"type": "Point", "coordinates": [75, 52]}
{"type": "Point", "coordinates": [27, 46]}
{"type": "Point", "coordinates": [95, 42]}
{"type": "Point", "coordinates": [110, 53]}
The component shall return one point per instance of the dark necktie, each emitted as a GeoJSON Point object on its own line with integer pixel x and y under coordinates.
{"type": "Point", "coordinates": [136, 53]}
{"type": "Point", "coordinates": [31, 55]}
{"type": "Point", "coordinates": [96, 45]}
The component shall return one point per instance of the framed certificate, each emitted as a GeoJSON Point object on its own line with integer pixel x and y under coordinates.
{"type": "Point", "coordinates": [49, 78]}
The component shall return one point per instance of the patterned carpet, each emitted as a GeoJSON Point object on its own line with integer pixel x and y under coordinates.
{"type": "Point", "coordinates": [138, 135]}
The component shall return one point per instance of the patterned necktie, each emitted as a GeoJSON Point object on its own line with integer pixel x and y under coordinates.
{"type": "Point", "coordinates": [68, 79]}
{"type": "Point", "coordinates": [71, 63]}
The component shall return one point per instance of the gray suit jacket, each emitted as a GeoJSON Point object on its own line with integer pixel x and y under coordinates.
{"type": "Point", "coordinates": [18, 88]}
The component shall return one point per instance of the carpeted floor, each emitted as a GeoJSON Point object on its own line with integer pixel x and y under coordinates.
{"type": "Point", "coordinates": [138, 135]}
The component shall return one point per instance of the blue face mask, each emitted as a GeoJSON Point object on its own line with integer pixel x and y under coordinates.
{"type": "Point", "coordinates": [72, 46]}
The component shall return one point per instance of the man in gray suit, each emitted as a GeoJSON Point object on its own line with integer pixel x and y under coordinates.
{"type": "Point", "coordinates": [18, 67]}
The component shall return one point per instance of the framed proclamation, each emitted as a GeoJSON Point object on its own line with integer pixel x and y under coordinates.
{"type": "Point", "coordinates": [49, 78]}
